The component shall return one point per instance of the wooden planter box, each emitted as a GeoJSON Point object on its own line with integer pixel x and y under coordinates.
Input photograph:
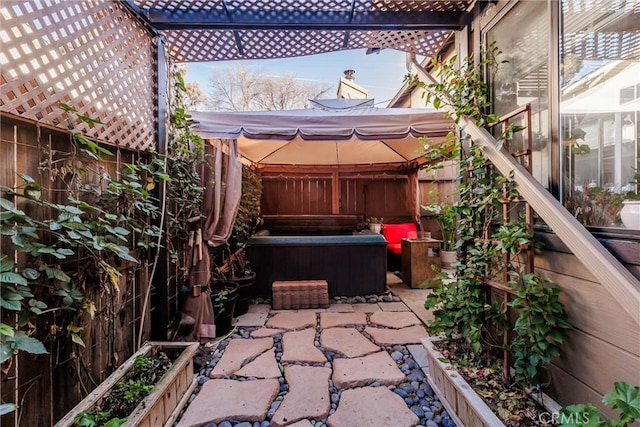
{"type": "Point", "coordinates": [162, 405]}
{"type": "Point", "coordinates": [464, 405]}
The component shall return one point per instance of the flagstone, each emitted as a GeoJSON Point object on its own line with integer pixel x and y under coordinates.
{"type": "Point", "coordinates": [221, 400]}
{"type": "Point", "coordinates": [299, 346]}
{"type": "Point", "coordinates": [263, 366]}
{"type": "Point", "coordinates": [252, 319]}
{"type": "Point", "coordinates": [372, 407]}
{"type": "Point", "coordinates": [377, 367]}
{"type": "Point", "coordinates": [395, 320]}
{"type": "Point", "coordinates": [331, 320]}
{"type": "Point", "coordinates": [386, 337]}
{"type": "Point", "coordinates": [237, 352]}
{"type": "Point", "coordinates": [347, 341]}
{"type": "Point", "coordinates": [366, 307]}
{"type": "Point", "coordinates": [265, 332]}
{"type": "Point", "coordinates": [292, 321]}
{"type": "Point", "coordinates": [393, 306]}
{"type": "Point", "coordinates": [308, 395]}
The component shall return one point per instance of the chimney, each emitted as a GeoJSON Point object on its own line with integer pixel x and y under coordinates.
{"type": "Point", "coordinates": [348, 74]}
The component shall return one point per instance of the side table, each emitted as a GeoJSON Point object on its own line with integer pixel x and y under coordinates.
{"type": "Point", "coordinates": [420, 260]}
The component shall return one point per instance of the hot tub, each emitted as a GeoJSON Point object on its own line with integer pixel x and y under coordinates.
{"type": "Point", "coordinates": [351, 264]}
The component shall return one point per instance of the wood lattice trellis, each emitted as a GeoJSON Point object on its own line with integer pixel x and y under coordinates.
{"type": "Point", "coordinates": [91, 55]}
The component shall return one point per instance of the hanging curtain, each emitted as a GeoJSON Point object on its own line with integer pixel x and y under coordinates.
{"type": "Point", "coordinates": [221, 176]}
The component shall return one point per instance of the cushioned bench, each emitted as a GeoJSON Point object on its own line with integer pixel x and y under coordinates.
{"type": "Point", "coordinates": [394, 233]}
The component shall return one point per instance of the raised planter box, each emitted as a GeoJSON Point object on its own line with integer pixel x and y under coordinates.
{"type": "Point", "coordinates": [162, 405]}
{"type": "Point", "coordinates": [464, 405]}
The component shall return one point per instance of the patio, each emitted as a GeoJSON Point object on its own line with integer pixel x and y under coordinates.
{"type": "Point", "coordinates": [105, 244]}
{"type": "Point", "coordinates": [351, 364]}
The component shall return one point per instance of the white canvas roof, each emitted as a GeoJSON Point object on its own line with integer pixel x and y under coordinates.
{"type": "Point", "coordinates": [332, 132]}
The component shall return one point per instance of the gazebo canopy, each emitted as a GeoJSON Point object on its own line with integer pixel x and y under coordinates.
{"type": "Point", "coordinates": [332, 132]}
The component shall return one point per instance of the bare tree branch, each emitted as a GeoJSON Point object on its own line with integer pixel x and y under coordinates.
{"type": "Point", "coordinates": [240, 88]}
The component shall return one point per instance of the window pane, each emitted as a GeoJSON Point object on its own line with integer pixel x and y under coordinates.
{"type": "Point", "coordinates": [599, 107]}
{"type": "Point", "coordinates": [523, 37]}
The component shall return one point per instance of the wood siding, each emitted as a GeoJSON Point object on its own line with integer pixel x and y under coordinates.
{"type": "Point", "coordinates": [604, 345]}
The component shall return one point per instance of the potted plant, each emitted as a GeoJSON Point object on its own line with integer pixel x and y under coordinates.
{"type": "Point", "coordinates": [630, 212]}
{"type": "Point", "coordinates": [375, 224]}
{"type": "Point", "coordinates": [224, 296]}
{"type": "Point", "coordinates": [571, 134]}
{"type": "Point", "coordinates": [445, 214]}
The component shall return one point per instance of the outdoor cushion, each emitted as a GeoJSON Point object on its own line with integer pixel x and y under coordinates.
{"type": "Point", "coordinates": [394, 233]}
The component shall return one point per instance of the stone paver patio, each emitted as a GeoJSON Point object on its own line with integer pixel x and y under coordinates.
{"type": "Point", "coordinates": [346, 366]}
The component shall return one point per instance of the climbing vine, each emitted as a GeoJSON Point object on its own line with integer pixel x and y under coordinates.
{"type": "Point", "coordinates": [461, 308]}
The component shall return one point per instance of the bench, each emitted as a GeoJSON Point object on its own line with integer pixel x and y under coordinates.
{"type": "Point", "coordinates": [295, 294]}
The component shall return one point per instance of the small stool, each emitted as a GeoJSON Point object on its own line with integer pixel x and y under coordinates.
{"type": "Point", "coordinates": [295, 294]}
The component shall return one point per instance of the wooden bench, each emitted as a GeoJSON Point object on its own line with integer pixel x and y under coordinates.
{"type": "Point", "coordinates": [295, 294]}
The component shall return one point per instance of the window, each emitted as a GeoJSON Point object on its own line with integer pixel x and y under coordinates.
{"type": "Point", "coordinates": [599, 108]}
{"type": "Point", "coordinates": [523, 37]}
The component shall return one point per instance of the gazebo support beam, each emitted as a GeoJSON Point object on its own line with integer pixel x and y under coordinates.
{"type": "Point", "coordinates": [250, 19]}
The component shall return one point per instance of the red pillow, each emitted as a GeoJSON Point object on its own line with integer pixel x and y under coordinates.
{"type": "Point", "coordinates": [394, 233]}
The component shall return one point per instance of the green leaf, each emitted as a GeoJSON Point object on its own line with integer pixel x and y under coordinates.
{"type": "Point", "coordinates": [625, 397]}
{"type": "Point", "coordinates": [30, 273]}
{"type": "Point", "coordinates": [6, 330]}
{"type": "Point", "coordinates": [11, 277]}
{"type": "Point", "coordinates": [5, 352]}
{"type": "Point", "coordinates": [10, 305]}
{"type": "Point", "coordinates": [76, 339]}
{"type": "Point", "coordinates": [6, 408]}
{"type": "Point", "coordinates": [582, 415]}
{"type": "Point", "coordinates": [28, 344]}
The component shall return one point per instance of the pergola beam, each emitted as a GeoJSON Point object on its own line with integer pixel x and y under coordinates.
{"type": "Point", "coordinates": [254, 19]}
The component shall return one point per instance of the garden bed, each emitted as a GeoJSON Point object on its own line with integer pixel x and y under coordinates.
{"type": "Point", "coordinates": [162, 404]}
{"type": "Point", "coordinates": [467, 408]}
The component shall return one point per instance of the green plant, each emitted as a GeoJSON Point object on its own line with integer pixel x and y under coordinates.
{"type": "Point", "coordinates": [488, 249]}
{"type": "Point", "coordinates": [572, 133]}
{"type": "Point", "coordinates": [231, 258]}
{"type": "Point", "coordinates": [623, 396]}
{"type": "Point", "coordinates": [446, 216]}
{"type": "Point", "coordinates": [114, 409]}
{"type": "Point", "coordinates": [374, 220]}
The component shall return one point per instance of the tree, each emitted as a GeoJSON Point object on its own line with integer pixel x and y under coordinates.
{"type": "Point", "coordinates": [239, 88]}
{"type": "Point", "coordinates": [195, 95]}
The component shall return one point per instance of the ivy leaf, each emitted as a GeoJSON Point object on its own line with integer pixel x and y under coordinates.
{"type": "Point", "coordinates": [6, 408]}
{"type": "Point", "coordinates": [11, 277]}
{"type": "Point", "coordinates": [30, 273]}
{"type": "Point", "coordinates": [5, 352]}
{"type": "Point", "coordinates": [10, 305]}
{"type": "Point", "coordinates": [28, 344]}
{"type": "Point", "coordinates": [6, 330]}
{"type": "Point", "coordinates": [76, 339]}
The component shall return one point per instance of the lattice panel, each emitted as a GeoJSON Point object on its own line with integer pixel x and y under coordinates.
{"type": "Point", "coordinates": [415, 5]}
{"type": "Point", "coordinates": [89, 54]}
{"type": "Point", "coordinates": [427, 43]}
{"type": "Point", "coordinates": [214, 45]}
{"type": "Point", "coordinates": [309, 5]}
{"type": "Point", "coordinates": [217, 45]}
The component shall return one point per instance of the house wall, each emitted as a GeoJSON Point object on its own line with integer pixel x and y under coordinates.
{"type": "Point", "coordinates": [604, 344]}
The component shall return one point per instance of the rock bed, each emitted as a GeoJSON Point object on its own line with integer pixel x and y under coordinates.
{"type": "Point", "coordinates": [371, 299]}
{"type": "Point", "coordinates": [415, 391]}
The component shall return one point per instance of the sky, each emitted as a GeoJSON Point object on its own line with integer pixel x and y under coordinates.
{"type": "Point", "coordinates": [381, 74]}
